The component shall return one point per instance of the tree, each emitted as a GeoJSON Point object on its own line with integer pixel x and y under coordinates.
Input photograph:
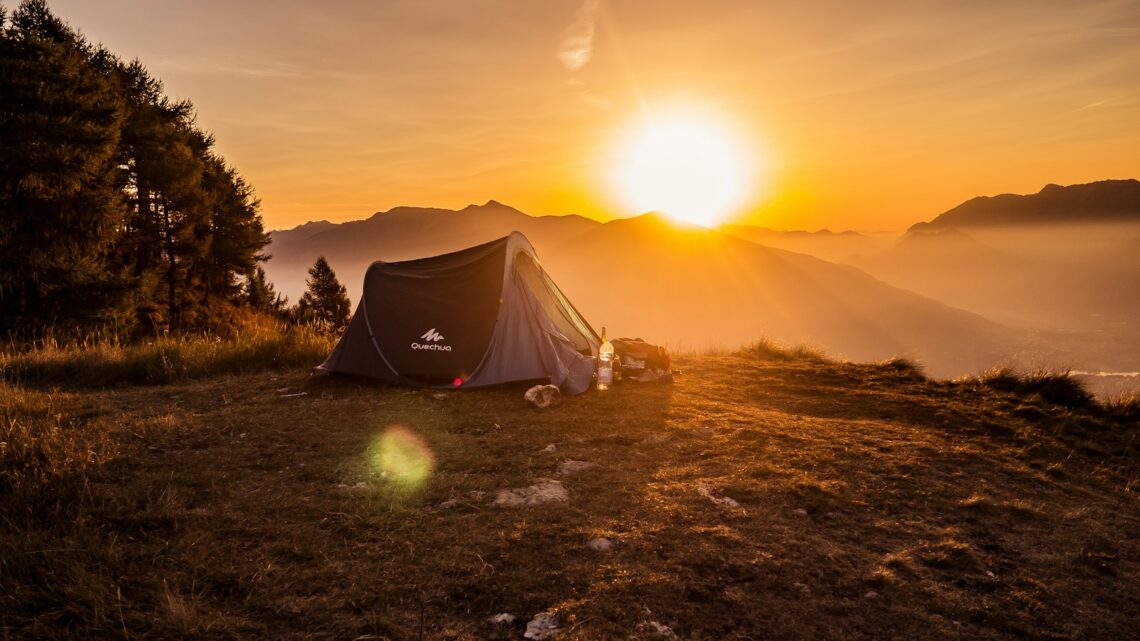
{"type": "Point", "coordinates": [60, 187]}
{"type": "Point", "coordinates": [114, 208]}
{"type": "Point", "coordinates": [325, 303]}
{"type": "Point", "coordinates": [260, 294]}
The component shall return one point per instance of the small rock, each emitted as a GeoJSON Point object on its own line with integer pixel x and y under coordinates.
{"type": "Point", "coordinates": [724, 501]}
{"type": "Point", "coordinates": [543, 396]}
{"type": "Point", "coordinates": [448, 504]}
{"type": "Point", "coordinates": [799, 511]}
{"type": "Point", "coordinates": [570, 466]}
{"type": "Point", "coordinates": [871, 594]}
{"type": "Point", "coordinates": [439, 396]}
{"type": "Point", "coordinates": [544, 491]}
{"type": "Point", "coordinates": [802, 587]}
{"type": "Point", "coordinates": [661, 630]}
{"type": "Point", "coordinates": [542, 626]}
{"type": "Point", "coordinates": [990, 574]}
{"type": "Point", "coordinates": [502, 619]}
{"type": "Point", "coordinates": [600, 544]}
{"type": "Point", "coordinates": [549, 448]}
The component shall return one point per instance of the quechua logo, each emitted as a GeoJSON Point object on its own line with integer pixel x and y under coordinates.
{"type": "Point", "coordinates": [431, 340]}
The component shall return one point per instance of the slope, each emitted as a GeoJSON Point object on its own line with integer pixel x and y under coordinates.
{"type": "Point", "coordinates": [756, 498]}
{"type": "Point", "coordinates": [698, 288]}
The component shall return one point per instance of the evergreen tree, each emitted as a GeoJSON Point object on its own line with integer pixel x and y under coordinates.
{"type": "Point", "coordinates": [114, 208]}
{"type": "Point", "coordinates": [60, 187]}
{"type": "Point", "coordinates": [260, 294]}
{"type": "Point", "coordinates": [325, 303]}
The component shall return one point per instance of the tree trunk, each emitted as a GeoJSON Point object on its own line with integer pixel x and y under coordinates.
{"type": "Point", "coordinates": [172, 265]}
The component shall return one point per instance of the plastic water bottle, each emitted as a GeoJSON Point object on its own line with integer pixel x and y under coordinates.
{"type": "Point", "coordinates": [605, 363]}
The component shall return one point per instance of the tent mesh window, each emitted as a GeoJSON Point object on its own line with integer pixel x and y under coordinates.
{"type": "Point", "coordinates": [565, 317]}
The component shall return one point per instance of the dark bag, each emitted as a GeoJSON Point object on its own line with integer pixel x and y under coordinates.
{"type": "Point", "coordinates": [641, 361]}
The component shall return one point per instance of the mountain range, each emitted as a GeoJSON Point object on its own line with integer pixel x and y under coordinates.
{"type": "Point", "coordinates": [953, 301]}
{"type": "Point", "coordinates": [1102, 201]}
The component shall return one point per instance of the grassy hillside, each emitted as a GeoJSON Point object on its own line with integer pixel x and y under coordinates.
{"type": "Point", "coordinates": [766, 494]}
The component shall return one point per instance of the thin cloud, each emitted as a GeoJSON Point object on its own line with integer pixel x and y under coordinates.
{"type": "Point", "coordinates": [577, 46]}
{"type": "Point", "coordinates": [1094, 105]}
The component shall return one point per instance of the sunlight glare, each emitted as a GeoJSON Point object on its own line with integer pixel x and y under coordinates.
{"type": "Point", "coordinates": [683, 164]}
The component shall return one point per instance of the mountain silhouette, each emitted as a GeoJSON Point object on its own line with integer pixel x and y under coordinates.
{"type": "Point", "coordinates": [1105, 201]}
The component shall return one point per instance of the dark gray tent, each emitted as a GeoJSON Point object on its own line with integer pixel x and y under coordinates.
{"type": "Point", "coordinates": [484, 315]}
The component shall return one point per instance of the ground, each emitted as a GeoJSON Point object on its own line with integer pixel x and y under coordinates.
{"type": "Point", "coordinates": [785, 498]}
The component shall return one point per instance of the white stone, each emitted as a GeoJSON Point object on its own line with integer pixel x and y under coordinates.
{"type": "Point", "coordinates": [600, 544]}
{"type": "Point", "coordinates": [543, 396]}
{"type": "Point", "coordinates": [542, 626]}
{"type": "Point", "coordinates": [543, 491]}
{"type": "Point", "coordinates": [502, 619]}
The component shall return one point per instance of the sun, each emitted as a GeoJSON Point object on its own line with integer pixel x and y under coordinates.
{"type": "Point", "coordinates": [686, 165]}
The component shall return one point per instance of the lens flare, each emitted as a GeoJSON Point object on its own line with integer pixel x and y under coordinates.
{"type": "Point", "coordinates": [402, 457]}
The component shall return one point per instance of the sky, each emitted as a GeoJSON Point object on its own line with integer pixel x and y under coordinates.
{"type": "Point", "coordinates": [867, 116]}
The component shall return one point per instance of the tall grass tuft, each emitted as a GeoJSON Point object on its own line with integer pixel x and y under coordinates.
{"type": "Point", "coordinates": [1125, 408]}
{"type": "Point", "coordinates": [903, 368]}
{"type": "Point", "coordinates": [766, 349]}
{"type": "Point", "coordinates": [1057, 388]}
{"type": "Point", "coordinates": [261, 343]}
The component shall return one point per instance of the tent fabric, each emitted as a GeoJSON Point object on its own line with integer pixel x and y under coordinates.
{"type": "Point", "coordinates": [480, 316]}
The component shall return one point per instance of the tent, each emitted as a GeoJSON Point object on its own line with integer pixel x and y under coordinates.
{"type": "Point", "coordinates": [480, 316]}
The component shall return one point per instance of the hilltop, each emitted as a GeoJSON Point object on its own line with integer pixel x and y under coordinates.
{"type": "Point", "coordinates": [766, 494]}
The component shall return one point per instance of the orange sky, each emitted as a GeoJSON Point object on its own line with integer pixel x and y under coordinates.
{"type": "Point", "coordinates": [869, 115]}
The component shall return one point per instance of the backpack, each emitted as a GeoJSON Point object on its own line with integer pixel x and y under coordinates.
{"type": "Point", "coordinates": [641, 361]}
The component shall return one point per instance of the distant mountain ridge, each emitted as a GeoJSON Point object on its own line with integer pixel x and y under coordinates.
{"type": "Point", "coordinates": [1102, 201]}
{"type": "Point", "coordinates": [682, 285]}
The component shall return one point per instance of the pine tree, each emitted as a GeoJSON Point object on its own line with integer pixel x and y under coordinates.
{"type": "Point", "coordinates": [60, 187]}
{"type": "Point", "coordinates": [325, 304]}
{"type": "Point", "coordinates": [260, 294]}
{"type": "Point", "coordinates": [114, 208]}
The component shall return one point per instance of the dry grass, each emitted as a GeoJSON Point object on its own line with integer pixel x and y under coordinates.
{"type": "Point", "coordinates": [100, 361]}
{"type": "Point", "coordinates": [870, 503]}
